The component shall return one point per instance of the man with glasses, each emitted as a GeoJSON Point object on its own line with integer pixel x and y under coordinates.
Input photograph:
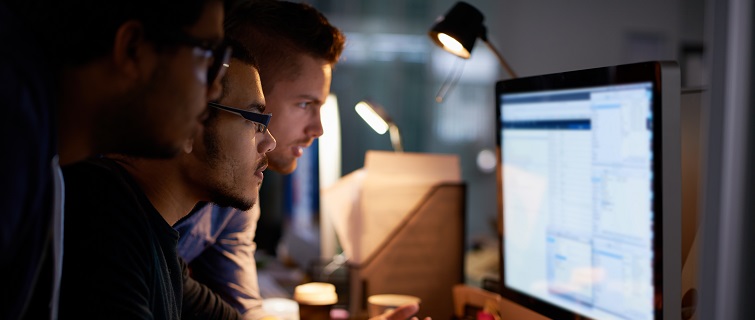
{"type": "Point", "coordinates": [296, 48]}
{"type": "Point", "coordinates": [120, 247]}
{"type": "Point", "coordinates": [78, 78]}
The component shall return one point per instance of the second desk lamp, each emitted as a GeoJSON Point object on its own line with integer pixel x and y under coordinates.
{"type": "Point", "coordinates": [378, 119]}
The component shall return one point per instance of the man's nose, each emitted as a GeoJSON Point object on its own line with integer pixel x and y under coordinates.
{"type": "Point", "coordinates": [268, 142]}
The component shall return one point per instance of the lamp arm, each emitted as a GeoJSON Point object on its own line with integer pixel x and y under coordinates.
{"type": "Point", "coordinates": [498, 55]}
{"type": "Point", "coordinates": [395, 137]}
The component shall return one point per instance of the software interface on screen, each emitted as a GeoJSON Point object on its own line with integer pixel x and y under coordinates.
{"type": "Point", "coordinates": [577, 196]}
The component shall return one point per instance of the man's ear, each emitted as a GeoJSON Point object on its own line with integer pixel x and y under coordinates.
{"type": "Point", "coordinates": [130, 49]}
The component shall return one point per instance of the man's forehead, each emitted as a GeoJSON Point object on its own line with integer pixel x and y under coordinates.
{"type": "Point", "coordinates": [244, 86]}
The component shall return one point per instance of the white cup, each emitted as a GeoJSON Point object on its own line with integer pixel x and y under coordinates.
{"type": "Point", "coordinates": [381, 303]}
{"type": "Point", "coordinates": [280, 308]}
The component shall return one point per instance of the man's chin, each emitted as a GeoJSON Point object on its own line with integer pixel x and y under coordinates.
{"type": "Point", "coordinates": [234, 202]}
{"type": "Point", "coordinates": [282, 167]}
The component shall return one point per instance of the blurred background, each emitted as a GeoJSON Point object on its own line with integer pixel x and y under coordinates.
{"type": "Point", "coordinates": [390, 59]}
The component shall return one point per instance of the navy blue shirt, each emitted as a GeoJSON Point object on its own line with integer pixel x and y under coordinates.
{"type": "Point", "coordinates": [27, 131]}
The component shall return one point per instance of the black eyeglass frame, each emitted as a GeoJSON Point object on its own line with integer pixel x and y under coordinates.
{"type": "Point", "coordinates": [261, 118]}
{"type": "Point", "coordinates": [219, 66]}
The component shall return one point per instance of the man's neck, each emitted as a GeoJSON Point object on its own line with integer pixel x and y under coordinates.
{"type": "Point", "coordinates": [161, 182]}
{"type": "Point", "coordinates": [85, 94]}
{"type": "Point", "coordinates": [75, 116]}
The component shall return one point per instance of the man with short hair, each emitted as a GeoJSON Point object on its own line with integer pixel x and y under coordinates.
{"type": "Point", "coordinates": [121, 259]}
{"type": "Point", "coordinates": [296, 48]}
{"type": "Point", "coordinates": [79, 78]}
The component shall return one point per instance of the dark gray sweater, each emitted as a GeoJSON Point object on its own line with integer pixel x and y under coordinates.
{"type": "Point", "coordinates": [120, 259]}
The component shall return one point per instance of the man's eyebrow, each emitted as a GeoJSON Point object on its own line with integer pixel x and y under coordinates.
{"type": "Point", "coordinates": [257, 107]}
{"type": "Point", "coordinates": [313, 98]}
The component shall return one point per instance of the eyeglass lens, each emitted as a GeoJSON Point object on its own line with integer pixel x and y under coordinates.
{"type": "Point", "coordinates": [220, 58]}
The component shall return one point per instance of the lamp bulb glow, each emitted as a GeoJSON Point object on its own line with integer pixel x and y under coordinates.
{"type": "Point", "coordinates": [371, 117]}
{"type": "Point", "coordinates": [451, 45]}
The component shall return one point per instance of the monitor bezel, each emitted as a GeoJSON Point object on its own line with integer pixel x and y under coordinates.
{"type": "Point", "coordinates": [664, 77]}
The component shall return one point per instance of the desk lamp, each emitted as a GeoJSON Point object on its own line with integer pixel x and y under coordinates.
{"type": "Point", "coordinates": [378, 119]}
{"type": "Point", "coordinates": [457, 31]}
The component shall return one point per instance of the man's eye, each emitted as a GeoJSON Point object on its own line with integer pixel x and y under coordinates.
{"type": "Point", "coordinates": [258, 127]}
{"type": "Point", "coordinates": [303, 105]}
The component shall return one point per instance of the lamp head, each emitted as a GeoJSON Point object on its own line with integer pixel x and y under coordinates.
{"type": "Point", "coordinates": [457, 31]}
{"type": "Point", "coordinates": [374, 115]}
{"type": "Point", "coordinates": [378, 119]}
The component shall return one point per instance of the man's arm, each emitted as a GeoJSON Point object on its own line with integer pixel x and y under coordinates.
{"type": "Point", "coordinates": [199, 302]}
{"type": "Point", "coordinates": [228, 266]}
{"type": "Point", "coordinates": [26, 127]}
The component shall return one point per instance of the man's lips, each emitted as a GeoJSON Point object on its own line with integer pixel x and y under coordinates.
{"type": "Point", "coordinates": [298, 148]}
{"type": "Point", "coordinates": [261, 166]}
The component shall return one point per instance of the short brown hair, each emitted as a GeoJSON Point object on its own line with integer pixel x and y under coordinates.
{"type": "Point", "coordinates": [277, 32]}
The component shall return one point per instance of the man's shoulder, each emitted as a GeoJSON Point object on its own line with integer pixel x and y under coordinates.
{"type": "Point", "coordinates": [100, 191]}
{"type": "Point", "coordinates": [25, 72]}
{"type": "Point", "coordinates": [95, 175]}
{"type": "Point", "coordinates": [26, 96]}
{"type": "Point", "coordinates": [205, 224]}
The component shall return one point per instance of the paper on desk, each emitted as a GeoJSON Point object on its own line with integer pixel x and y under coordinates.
{"type": "Point", "coordinates": [339, 201]}
{"type": "Point", "coordinates": [367, 205]}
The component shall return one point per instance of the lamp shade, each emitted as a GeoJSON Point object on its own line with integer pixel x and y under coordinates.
{"type": "Point", "coordinates": [457, 31]}
{"type": "Point", "coordinates": [377, 118]}
{"type": "Point", "coordinates": [373, 115]}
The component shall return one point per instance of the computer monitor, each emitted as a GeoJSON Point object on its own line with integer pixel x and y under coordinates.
{"type": "Point", "coordinates": [589, 190]}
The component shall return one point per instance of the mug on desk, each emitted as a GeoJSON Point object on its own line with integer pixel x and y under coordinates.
{"type": "Point", "coordinates": [381, 303]}
{"type": "Point", "coordinates": [315, 300]}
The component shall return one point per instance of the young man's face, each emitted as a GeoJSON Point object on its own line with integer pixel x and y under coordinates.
{"type": "Point", "coordinates": [169, 104]}
{"type": "Point", "coordinates": [227, 163]}
{"type": "Point", "coordinates": [295, 104]}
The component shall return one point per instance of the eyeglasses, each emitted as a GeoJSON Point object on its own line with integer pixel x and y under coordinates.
{"type": "Point", "coordinates": [219, 52]}
{"type": "Point", "coordinates": [221, 57]}
{"type": "Point", "coordinates": [258, 118]}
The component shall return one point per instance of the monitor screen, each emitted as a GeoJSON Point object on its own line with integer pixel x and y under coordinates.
{"type": "Point", "coordinates": [582, 192]}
